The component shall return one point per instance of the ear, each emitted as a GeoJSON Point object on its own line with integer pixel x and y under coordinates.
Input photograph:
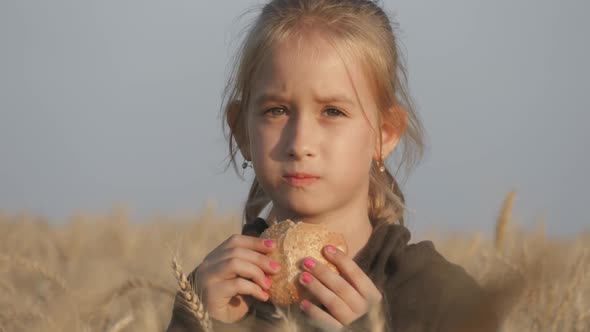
{"type": "Point", "coordinates": [236, 123]}
{"type": "Point", "coordinates": [392, 128]}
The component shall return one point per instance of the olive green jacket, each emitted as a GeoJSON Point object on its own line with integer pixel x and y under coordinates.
{"type": "Point", "coordinates": [422, 291]}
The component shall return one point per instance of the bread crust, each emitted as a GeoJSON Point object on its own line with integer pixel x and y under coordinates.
{"type": "Point", "coordinates": [295, 241]}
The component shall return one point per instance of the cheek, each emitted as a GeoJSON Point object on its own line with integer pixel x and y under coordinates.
{"type": "Point", "coordinates": [363, 140]}
{"type": "Point", "coordinates": [356, 148]}
{"type": "Point", "coordinates": [262, 141]}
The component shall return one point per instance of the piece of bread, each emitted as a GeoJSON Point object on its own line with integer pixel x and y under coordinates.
{"type": "Point", "coordinates": [295, 241]}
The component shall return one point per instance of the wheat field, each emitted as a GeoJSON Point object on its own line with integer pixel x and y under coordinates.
{"type": "Point", "coordinates": [111, 273]}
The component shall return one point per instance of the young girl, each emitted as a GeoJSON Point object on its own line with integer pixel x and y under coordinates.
{"type": "Point", "coordinates": [316, 103]}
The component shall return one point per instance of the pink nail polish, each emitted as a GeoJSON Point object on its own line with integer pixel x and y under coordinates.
{"type": "Point", "coordinates": [274, 265]}
{"type": "Point", "coordinates": [268, 243]}
{"type": "Point", "coordinates": [305, 304]}
{"type": "Point", "coordinates": [306, 277]}
{"type": "Point", "coordinates": [309, 263]}
{"type": "Point", "coordinates": [267, 281]}
{"type": "Point", "coordinates": [331, 249]}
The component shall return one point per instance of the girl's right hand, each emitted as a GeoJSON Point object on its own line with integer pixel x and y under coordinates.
{"type": "Point", "coordinates": [233, 273]}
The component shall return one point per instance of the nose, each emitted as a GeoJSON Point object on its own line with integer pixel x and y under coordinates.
{"type": "Point", "coordinates": [301, 136]}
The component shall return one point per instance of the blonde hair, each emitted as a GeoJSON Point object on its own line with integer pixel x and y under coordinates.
{"type": "Point", "coordinates": [366, 31]}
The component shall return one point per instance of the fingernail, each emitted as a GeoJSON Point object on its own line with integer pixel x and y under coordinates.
{"type": "Point", "coordinates": [266, 294]}
{"type": "Point", "coordinates": [330, 249]}
{"type": "Point", "coordinates": [267, 281]}
{"type": "Point", "coordinates": [309, 263]}
{"type": "Point", "coordinates": [306, 277]}
{"type": "Point", "coordinates": [274, 265]}
{"type": "Point", "coordinates": [268, 243]}
{"type": "Point", "coordinates": [305, 304]}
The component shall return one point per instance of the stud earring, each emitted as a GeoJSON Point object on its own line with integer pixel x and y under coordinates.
{"type": "Point", "coordinates": [381, 166]}
{"type": "Point", "coordinates": [246, 164]}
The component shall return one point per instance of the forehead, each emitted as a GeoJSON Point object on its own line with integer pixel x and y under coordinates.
{"type": "Point", "coordinates": [311, 63]}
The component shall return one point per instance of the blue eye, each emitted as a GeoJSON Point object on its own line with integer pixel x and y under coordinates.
{"type": "Point", "coordinates": [334, 112]}
{"type": "Point", "coordinates": [276, 111]}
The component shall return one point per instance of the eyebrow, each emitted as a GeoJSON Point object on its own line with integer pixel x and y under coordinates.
{"type": "Point", "coordinates": [340, 98]}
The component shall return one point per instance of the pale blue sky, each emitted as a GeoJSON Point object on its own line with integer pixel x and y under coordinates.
{"type": "Point", "coordinates": [105, 101]}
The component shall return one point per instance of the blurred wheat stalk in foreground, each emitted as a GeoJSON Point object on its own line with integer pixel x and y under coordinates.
{"type": "Point", "coordinates": [110, 273]}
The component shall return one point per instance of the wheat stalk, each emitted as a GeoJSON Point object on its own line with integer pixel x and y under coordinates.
{"type": "Point", "coordinates": [27, 316]}
{"type": "Point", "coordinates": [504, 219]}
{"type": "Point", "coordinates": [580, 276]}
{"type": "Point", "coordinates": [47, 274]}
{"type": "Point", "coordinates": [505, 261]}
{"type": "Point", "coordinates": [132, 284]}
{"type": "Point", "coordinates": [36, 267]}
{"type": "Point", "coordinates": [288, 321]}
{"type": "Point", "coordinates": [7, 287]}
{"type": "Point", "coordinates": [122, 323]}
{"type": "Point", "coordinates": [123, 289]}
{"type": "Point", "coordinates": [189, 298]}
{"type": "Point", "coordinates": [376, 317]}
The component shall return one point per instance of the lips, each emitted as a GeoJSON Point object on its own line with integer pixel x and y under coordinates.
{"type": "Point", "coordinates": [300, 179]}
{"type": "Point", "coordinates": [299, 175]}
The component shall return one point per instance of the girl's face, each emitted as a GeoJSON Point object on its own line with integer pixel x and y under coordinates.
{"type": "Point", "coordinates": [312, 126]}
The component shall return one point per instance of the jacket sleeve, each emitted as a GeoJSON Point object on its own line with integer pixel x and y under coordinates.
{"type": "Point", "coordinates": [436, 295]}
{"type": "Point", "coordinates": [465, 306]}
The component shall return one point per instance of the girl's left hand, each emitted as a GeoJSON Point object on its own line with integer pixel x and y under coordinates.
{"type": "Point", "coordinates": [346, 296]}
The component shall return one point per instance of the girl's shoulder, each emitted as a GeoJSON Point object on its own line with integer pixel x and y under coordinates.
{"type": "Point", "coordinates": [423, 290]}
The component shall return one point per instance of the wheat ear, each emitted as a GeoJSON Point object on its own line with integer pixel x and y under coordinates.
{"type": "Point", "coordinates": [504, 219]}
{"type": "Point", "coordinates": [190, 298]}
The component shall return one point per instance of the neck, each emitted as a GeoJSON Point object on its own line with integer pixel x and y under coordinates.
{"type": "Point", "coordinates": [353, 223]}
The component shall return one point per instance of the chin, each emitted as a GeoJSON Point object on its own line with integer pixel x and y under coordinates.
{"type": "Point", "coordinates": [300, 208]}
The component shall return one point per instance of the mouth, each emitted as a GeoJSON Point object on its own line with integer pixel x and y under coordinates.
{"type": "Point", "coordinates": [300, 179]}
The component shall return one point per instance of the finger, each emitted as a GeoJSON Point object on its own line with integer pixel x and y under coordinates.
{"type": "Point", "coordinates": [320, 317]}
{"type": "Point", "coordinates": [336, 283]}
{"type": "Point", "coordinates": [231, 287]}
{"type": "Point", "coordinates": [262, 261]}
{"type": "Point", "coordinates": [236, 267]}
{"type": "Point", "coordinates": [250, 242]}
{"type": "Point", "coordinates": [335, 305]}
{"type": "Point", "coordinates": [352, 273]}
